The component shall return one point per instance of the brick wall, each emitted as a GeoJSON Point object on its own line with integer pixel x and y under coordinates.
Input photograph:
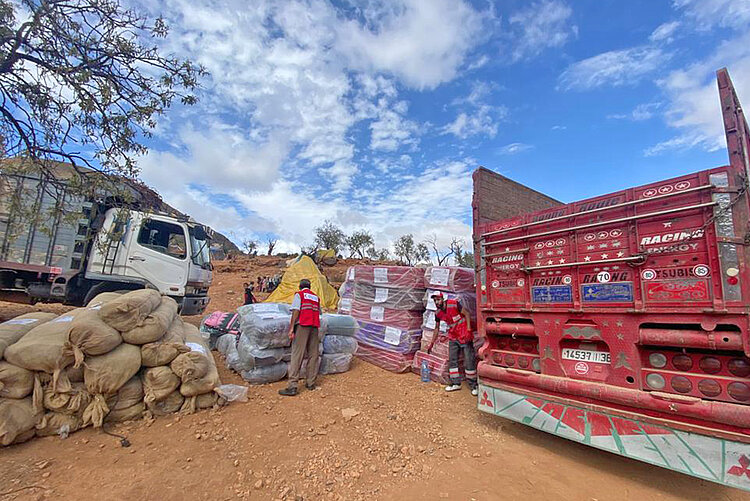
{"type": "Point", "coordinates": [497, 197]}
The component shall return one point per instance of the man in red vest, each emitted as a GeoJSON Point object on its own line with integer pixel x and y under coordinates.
{"type": "Point", "coordinates": [303, 331]}
{"type": "Point", "coordinates": [460, 339]}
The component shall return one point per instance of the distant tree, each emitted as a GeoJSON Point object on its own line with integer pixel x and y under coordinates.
{"type": "Point", "coordinates": [463, 259]}
{"type": "Point", "coordinates": [82, 81]}
{"type": "Point", "coordinates": [378, 254]}
{"type": "Point", "coordinates": [410, 253]}
{"type": "Point", "coordinates": [271, 244]}
{"type": "Point", "coordinates": [329, 236]}
{"type": "Point", "coordinates": [359, 243]}
{"type": "Point", "coordinates": [250, 246]}
{"type": "Point", "coordinates": [441, 255]}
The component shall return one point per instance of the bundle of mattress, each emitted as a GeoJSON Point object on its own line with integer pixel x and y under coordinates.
{"type": "Point", "coordinates": [388, 303]}
{"type": "Point", "coordinates": [220, 323]}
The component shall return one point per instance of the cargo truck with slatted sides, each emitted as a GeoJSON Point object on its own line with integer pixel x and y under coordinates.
{"type": "Point", "coordinates": [57, 245]}
{"type": "Point", "coordinates": [621, 322]}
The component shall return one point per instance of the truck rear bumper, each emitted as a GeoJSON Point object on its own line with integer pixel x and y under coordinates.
{"type": "Point", "coordinates": [194, 305]}
{"type": "Point", "coordinates": [720, 460]}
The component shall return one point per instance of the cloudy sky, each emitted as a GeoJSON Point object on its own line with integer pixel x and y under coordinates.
{"type": "Point", "coordinates": [374, 113]}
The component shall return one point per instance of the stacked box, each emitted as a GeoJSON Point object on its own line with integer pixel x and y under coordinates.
{"type": "Point", "coordinates": [454, 283]}
{"type": "Point", "coordinates": [388, 303]}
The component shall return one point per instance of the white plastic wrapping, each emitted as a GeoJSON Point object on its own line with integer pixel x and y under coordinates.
{"type": "Point", "coordinates": [338, 325]}
{"type": "Point", "coordinates": [339, 344]}
{"type": "Point", "coordinates": [335, 363]}
{"type": "Point", "coordinates": [266, 374]}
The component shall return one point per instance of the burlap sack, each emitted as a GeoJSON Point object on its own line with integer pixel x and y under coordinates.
{"type": "Point", "coordinates": [166, 349]}
{"type": "Point", "coordinates": [41, 349]}
{"type": "Point", "coordinates": [107, 373]}
{"type": "Point", "coordinates": [16, 328]}
{"type": "Point", "coordinates": [17, 417]}
{"type": "Point", "coordinates": [155, 325]}
{"type": "Point", "coordinates": [204, 401]}
{"type": "Point", "coordinates": [53, 422]}
{"type": "Point", "coordinates": [127, 404]}
{"type": "Point", "coordinates": [15, 382]}
{"type": "Point", "coordinates": [127, 414]}
{"type": "Point", "coordinates": [89, 335]}
{"type": "Point", "coordinates": [129, 310]}
{"type": "Point", "coordinates": [75, 374]}
{"type": "Point", "coordinates": [195, 363]}
{"type": "Point", "coordinates": [159, 383]}
{"type": "Point", "coordinates": [73, 402]}
{"type": "Point", "coordinates": [169, 405]}
{"type": "Point", "coordinates": [101, 299]}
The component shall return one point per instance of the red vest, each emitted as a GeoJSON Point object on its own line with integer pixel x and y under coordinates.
{"type": "Point", "coordinates": [457, 329]}
{"type": "Point", "coordinates": [309, 308]}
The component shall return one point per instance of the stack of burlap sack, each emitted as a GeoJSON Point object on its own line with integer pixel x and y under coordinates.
{"type": "Point", "coordinates": [122, 356]}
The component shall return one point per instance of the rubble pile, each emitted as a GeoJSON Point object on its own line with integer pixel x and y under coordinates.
{"type": "Point", "coordinates": [387, 302]}
{"type": "Point", "coordinates": [453, 283]}
{"type": "Point", "coordinates": [123, 356]}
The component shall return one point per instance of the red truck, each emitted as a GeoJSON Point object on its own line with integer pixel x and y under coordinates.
{"type": "Point", "coordinates": [621, 321]}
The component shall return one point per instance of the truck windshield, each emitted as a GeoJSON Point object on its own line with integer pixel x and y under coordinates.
{"type": "Point", "coordinates": [200, 249]}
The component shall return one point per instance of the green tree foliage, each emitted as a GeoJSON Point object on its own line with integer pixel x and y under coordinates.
{"type": "Point", "coordinates": [410, 253]}
{"type": "Point", "coordinates": [82, 81]}
{"type": "Point", "coordinates": [359, 243]}
{"type": "Point", "coordinates": [329, 236]}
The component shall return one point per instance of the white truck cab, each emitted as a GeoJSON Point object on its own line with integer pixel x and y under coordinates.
{"type": "Point", "coordinates": [156, 251]}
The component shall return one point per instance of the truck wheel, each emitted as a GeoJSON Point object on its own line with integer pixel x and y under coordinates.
{"type": "Point", "coordinates": [105, 287]}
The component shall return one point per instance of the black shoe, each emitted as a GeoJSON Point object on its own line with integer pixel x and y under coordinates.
{"type": "Point", "coordinates": [288, 392]}
{"type": "Point", "coordinates": [311, 387]}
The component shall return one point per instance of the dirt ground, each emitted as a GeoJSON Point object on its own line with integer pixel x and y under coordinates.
{"type": "Point", "coordinates": [406, 440]}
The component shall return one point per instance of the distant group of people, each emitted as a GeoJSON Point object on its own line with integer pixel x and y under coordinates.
{"type": "Point", "coordinates": [264, 284]}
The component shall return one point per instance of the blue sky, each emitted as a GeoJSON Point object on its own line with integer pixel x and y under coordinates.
{"type": "Point", "coordinates": [373, 114]}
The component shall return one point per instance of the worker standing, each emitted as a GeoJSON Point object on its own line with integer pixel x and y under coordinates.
{"type": "Point", "coordinates": [460, 338]}
{"type": "Point", "coordinates": [303, 331]}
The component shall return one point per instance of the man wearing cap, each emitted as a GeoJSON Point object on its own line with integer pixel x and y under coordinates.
{"type": "Point", "coordinates": [303, 331]}
{"type": "Point", "coordinates": [460, 338]}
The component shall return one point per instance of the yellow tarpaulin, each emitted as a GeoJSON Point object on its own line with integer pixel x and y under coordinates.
{"type": "Point", "coordinates": [304, 268]}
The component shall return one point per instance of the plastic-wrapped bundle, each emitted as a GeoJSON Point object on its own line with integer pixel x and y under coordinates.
{"type": "Point", "coordinates": [266, 325]}
{"type": "Point", "coordinates": [346, 289]}
{"type": "Point", "coordinates": [339, 344]}
{"type": "Point", "coordinates": [345, 305]}
{"type": "Point", "coordinates": [440, 349]}
{"type": "Point", "coordinates": [438, 365]}
{"type": "Point", "coordinates": [250, 355]}
{"type": "Point", "coordinates": [428, 322]}
{"type": "Point", "coordinates": [338, 325]}
{"type": "Point", "coordinates": [219, 323]}
{"type": "Point", "coordinates": [389, 338]}
{"type": "Point", "coordinates": [468, 300]}
{"type": "Point", "coordinates": [402, 319]}
{"type": "Point", "coordinates": [388, 360]}
{"type": "Point", "coordinates": [335, 363]}
{"type": "Point", "coordinates": [390, 297]}
{"type": "Point", "coordinates": [266, 374]}
{"type": "Point", "coordinates": [449, 278]}
{"type": "Point", "coordinates": [391, 276]}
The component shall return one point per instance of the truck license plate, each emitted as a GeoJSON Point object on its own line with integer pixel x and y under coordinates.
{"type": "Point", "coordinates": [598, 357]}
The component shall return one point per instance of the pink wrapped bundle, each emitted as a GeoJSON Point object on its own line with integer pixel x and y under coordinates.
{"type": "Point", "coordinates": [388, 360]}
{"type": "Point", "coordinates": [404, 277]}
{"type": "Point", "coordinates": [223, 321]}
{"type": "Point", "coordinates": [438, 366]}
{"type": "Point", "coordinates": [441, 347]}
{"type": "Point", "coordinates": [449, 278]}
{"type": "Point", "coordinates": [400, 319]}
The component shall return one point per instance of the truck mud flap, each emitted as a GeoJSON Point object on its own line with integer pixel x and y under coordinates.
{"type": "Point", "coordinates": [719, 460]}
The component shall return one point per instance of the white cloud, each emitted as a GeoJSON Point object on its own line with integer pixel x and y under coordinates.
{"type": "Point", "coordinates": [421, 42]}
{"type": "Point", "coordinates": [664, 32]}
{"type": "Point", "coordinates": [391, 130]}
{"type": "Point", "coordinates": [541, 26]}
{"type": "Point", "coordinates": [710, 13]}
{"type": "Point", "coordinates": [693, 107]}
{"type": "Point", "coordinates": [477, 122]}
{"type": "Point", "coordinates": [616, 68]}
{"type": "Point", "coordinates": [641, 112]}
{"type": "Point", "coordinates": [514, 148]}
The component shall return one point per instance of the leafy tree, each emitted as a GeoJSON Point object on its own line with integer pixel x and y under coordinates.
{"type": "Point", "coordinates": [441, 255]}
{"type": "Point", "coordinates": [250, 246]}
{"type": "Point", "coordinates": [410, 253]}
{"type": "Point", "coordinates": [378, 254]}
{"type": "Point", "coordinates": [329, 236]}
{"type": "Point", "coordinates": [464, 259]}
{"type": "Point", "coordinates": [359, 243]}
{"type": "Point", "coordinates": [82, 81]}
